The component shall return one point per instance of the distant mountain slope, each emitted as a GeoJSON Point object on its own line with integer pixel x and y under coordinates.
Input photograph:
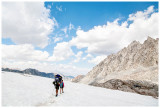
{"type": "Point", "coordinates": [136, 62]}
{"type": "Point", "coordinates": [38, 73]}
{"type": "Point", "coordinates": [70, 77]}
{"type": "Point", "coordinates": [31, 71]}
{"type": "Point", "coordinates": [78, 78]}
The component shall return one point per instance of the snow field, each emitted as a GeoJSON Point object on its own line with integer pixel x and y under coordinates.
{"type": "Point", "coordinates": [20, 90]}
{"type": "Point", "coordinates": [85, 95]}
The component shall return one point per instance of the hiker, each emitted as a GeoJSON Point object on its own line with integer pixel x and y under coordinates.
{"type": "Point", "coordinates": [56, 83]}
{"type": "Point", "coordinates": [61, 86]}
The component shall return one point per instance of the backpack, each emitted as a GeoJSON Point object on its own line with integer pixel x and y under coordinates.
{"type": "Point", "coordinates": [61, 84]}
{"type": "Point", "coordinates": [58, 78]}
{"type": "Point", "coordinates": [56, 83]}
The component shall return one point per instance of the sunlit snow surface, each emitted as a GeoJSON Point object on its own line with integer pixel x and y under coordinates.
{"type": "Point", "coordinates": [27, 90]}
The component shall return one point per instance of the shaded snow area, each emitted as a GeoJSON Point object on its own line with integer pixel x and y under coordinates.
{"type": "Point", "coordinates": [27, 90]}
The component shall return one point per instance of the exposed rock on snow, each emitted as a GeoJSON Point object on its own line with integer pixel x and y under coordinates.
{"type": "Point", "coordinates": [78, 78]}
{"type": "Point", "coordinates": [140, 87]}
{"type": "Point", "coordinates": [135, 62]}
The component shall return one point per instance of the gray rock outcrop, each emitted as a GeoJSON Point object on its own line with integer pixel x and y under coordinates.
{"type": "Point", "coordinates": [140, 87]}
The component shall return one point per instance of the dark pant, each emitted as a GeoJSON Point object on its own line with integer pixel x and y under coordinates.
{"type": "Point", "coordinates": [57, 87]}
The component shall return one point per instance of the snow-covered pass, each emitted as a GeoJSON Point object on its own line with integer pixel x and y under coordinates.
{"type": "Point", "coordinates": [28, 90]}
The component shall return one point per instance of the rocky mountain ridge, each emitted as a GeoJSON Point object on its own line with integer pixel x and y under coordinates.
{"type": "Point", "coordinates": [131, 69]}
{"type": "Point", "coordinates": [135, 62]}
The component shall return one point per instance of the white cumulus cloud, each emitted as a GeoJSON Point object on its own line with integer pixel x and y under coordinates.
{"type": "Point", "coordinates": [62, 51]}
{"type": "Point", "coordinates": [27, 23]}
{"type": "Point", "coordinates": [97, 60]}
{"type": "Point", "coordinates": [57, 39]}
{"type": "Point", "coordinates": [88, 56]}
{"type": "Point", "coordinates": [23, 52]}
{"type": "Point", "coordinates": [78, 56]}
{"type": "Point", "coordinates": [64, 30]}
{"type": "Point", "coordinates": [113, 36]}
{"type": "Point", "coordinates": [27, 52]}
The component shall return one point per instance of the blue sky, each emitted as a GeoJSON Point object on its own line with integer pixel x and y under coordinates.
{"type": "Point", "coordinates": [90, 14]}
{"type": "Point", "coordinates": [76, 35]}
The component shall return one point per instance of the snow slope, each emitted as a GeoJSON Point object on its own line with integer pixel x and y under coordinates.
{"type": "Point", "coordinates": [20, 90]}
